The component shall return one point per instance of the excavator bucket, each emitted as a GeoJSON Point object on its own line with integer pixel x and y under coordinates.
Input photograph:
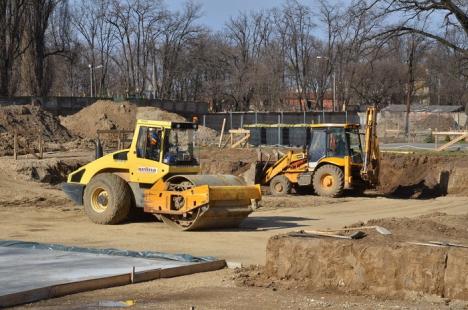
{"type": "Point", "coordinates": [198, 202]}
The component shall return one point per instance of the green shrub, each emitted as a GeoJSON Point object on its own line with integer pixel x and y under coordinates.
{"type": "Point", "coordinates": [429, 139]}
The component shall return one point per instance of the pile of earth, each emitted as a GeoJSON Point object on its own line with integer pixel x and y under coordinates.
{"type": "Point", "coordinates": [214, 160]}
{"type": "Point", "coordinates": [433, 121]}
{"type": "Point", "coordinates": [102, 115]}
{"type": "Point", "coordinates": [30, 122]}
{"type": "Point", "coordinates": [107, 115]}
{"type": "Point", "coordinates": [402, 264]}
{"type": "Point", "coordinates": [420, 127]}
{"type": "Point", "coordinates": [423, 175]}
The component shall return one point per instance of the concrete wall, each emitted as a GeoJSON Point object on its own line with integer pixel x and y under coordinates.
{"type": "Point", "coordinates": [71, 105]}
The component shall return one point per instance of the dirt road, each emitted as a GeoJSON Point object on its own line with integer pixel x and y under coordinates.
{"type": "Point", "coordinates": [67, 224]}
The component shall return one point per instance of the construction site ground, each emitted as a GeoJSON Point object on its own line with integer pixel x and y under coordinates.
{"type": "Point", "coordinates": [429, 189]}
{"type": "Point", "coordinates": [34, 211]}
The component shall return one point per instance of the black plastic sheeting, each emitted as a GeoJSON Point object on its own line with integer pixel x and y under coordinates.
{"type": "Point", "coordinates": [110, 251]}
{"type": "Point", "coordinates": [284, 136]}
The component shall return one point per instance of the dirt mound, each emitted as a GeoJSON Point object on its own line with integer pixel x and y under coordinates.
{"type": "Point", "coordinates": [102, 115]}
{"type": "Point", "coordinates": [388, 265]}
{"type": "Point", "coordinates": [105, 115]}
{"type": "Point", "coordinates": [214, 160]}
{"type": "Point", "coordinates": [207, 136]}
{"type": "Point", "coordinates": [423, 176]}
{"type": "Point", "coordinates": [29, 121]}
{"type": "Point", "coordinates": [437, 226]}
{"type": "Point", "coordinates": [433, 122]}
{"type": "Point", "coordinates": [152, 113]}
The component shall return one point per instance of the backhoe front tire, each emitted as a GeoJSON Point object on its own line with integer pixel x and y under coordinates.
{"type": "Point", "coordinates": [328, 181]}
{"type": "Point", "coordinates": [107, 199]}
{"type": "Point", "coordinates": [280, 185]}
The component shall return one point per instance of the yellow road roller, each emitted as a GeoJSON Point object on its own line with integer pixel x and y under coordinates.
{"type": "Point", "coordinates": [159, 173]}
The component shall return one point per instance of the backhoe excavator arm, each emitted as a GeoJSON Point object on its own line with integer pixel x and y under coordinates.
{"type": "Point", "coordinates": [370, 168]}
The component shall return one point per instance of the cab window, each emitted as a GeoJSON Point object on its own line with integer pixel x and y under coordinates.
{"type": "Point", "coordinates": [149, 143]}
{"type": "Point", "coordinates": [336, 142]}
{"type": "Point", "coordinates": [318, 144]}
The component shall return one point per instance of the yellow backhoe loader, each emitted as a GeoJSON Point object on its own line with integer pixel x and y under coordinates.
{"type": "Point", "coordinates": [159, 173]}
{"type": "Point", "coordinates": [334, 161]}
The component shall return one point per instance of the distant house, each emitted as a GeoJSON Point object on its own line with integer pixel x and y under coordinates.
{"type": "Point", "coordinates": [310, 102]}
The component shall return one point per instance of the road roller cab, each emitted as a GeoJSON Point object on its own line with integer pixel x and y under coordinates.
{"type": "Point", "coordinates": [159, 174]}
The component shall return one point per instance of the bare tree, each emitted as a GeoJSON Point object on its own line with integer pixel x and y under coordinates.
{"type": "Point", "coordinates": [434, 19]}
{"type": "Point", "coordinates": [249, 36]}
{"type": "Point", "coordinates": [295, 26]}
{"type": "Point", "coordinates": [11, 30]}
{"type": "Point", "coordinates": [179, 30]}
{"type": "Point", "coordinates": [46, 34]}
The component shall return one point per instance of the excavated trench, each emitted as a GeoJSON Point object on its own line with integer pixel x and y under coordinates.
{"type": "Point", "coordinates": [423, 176]}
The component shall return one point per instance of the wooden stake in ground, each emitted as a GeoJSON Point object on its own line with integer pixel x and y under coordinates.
{"type": "Point", "coordinates": [15, 145]}
{"type": "Point", "coordinates": [41, 146]}
{"type": "Point", "coordinates": [222, 132]}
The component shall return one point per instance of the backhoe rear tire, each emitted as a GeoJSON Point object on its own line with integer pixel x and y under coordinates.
{"type": "Point", "coordinates": [328, 181]}
{"type": "Point", "coordinates": [107, 199]}
{"type": "Point", "coordinates": [280, 185]}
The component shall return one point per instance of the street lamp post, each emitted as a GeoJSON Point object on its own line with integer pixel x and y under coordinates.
{"type": "Point", "coordinates": [91, 80]}
{"type": "Point", "coordinates": [334, 80]}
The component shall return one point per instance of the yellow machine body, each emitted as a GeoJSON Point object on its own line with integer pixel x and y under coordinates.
{"type": "Point", "coordinates": [176, 193]}
{"type": "Point", "coordinates": [354, 173]}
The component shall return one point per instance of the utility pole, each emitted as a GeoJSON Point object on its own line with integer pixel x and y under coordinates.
{"type": "Point", "coordinates": [334, 79]}
{"type": "Point", "coordinates": [334, 91]}
{"type": "Point", "coordinates": [90, 80]}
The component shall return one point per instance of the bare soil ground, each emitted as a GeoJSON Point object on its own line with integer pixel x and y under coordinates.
{"type": "Point", "coordinates": [34, 211]}
{"type": "Point", "coordinates": [219, 290]}
{"type": "Point", "coordinates": [29, 122]}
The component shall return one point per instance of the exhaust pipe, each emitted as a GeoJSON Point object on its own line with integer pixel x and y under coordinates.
{"type": "Point", "coordinates": [98, 152]}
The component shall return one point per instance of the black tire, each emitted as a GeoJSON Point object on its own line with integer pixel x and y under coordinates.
{"type": "Point", "coordinates": [107, 199]}
{"type": "Point", "coordinates": [328, 181]}
{"type": "Point", "coordinates": [280, 185]}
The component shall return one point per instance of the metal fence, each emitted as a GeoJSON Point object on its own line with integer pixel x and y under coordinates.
{"type": "Point", "coordinates": [236, 120]}
{"type": "Point", "coordinates": [70, 105]}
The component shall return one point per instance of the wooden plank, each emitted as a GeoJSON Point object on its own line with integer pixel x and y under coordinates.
{"type": "Point", "coordinates": [191, 269]}
{"type": "Point", "coordinates": [41, 147]}
{"type": "Point", "coordinates": [324, 234]}
{"type": "Point", "coordinates": [15, 145]}
{"type": "Point", "coordinates": [58, 290]}
{"type": "Point", "coordinates": [239, 131]}
{"type": "Point", "coordinates": [147, 275]}
{"type": "Point", "coordinates": [244, 139]}
{"type": "Point", "coordinates": [446, 145]}
{"type": "Point", "coordinates": [62, 290]}
{"type": "Point", "coordinates": [450, 132]}
{"type": "Point", "coordinates": [222, 133]}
